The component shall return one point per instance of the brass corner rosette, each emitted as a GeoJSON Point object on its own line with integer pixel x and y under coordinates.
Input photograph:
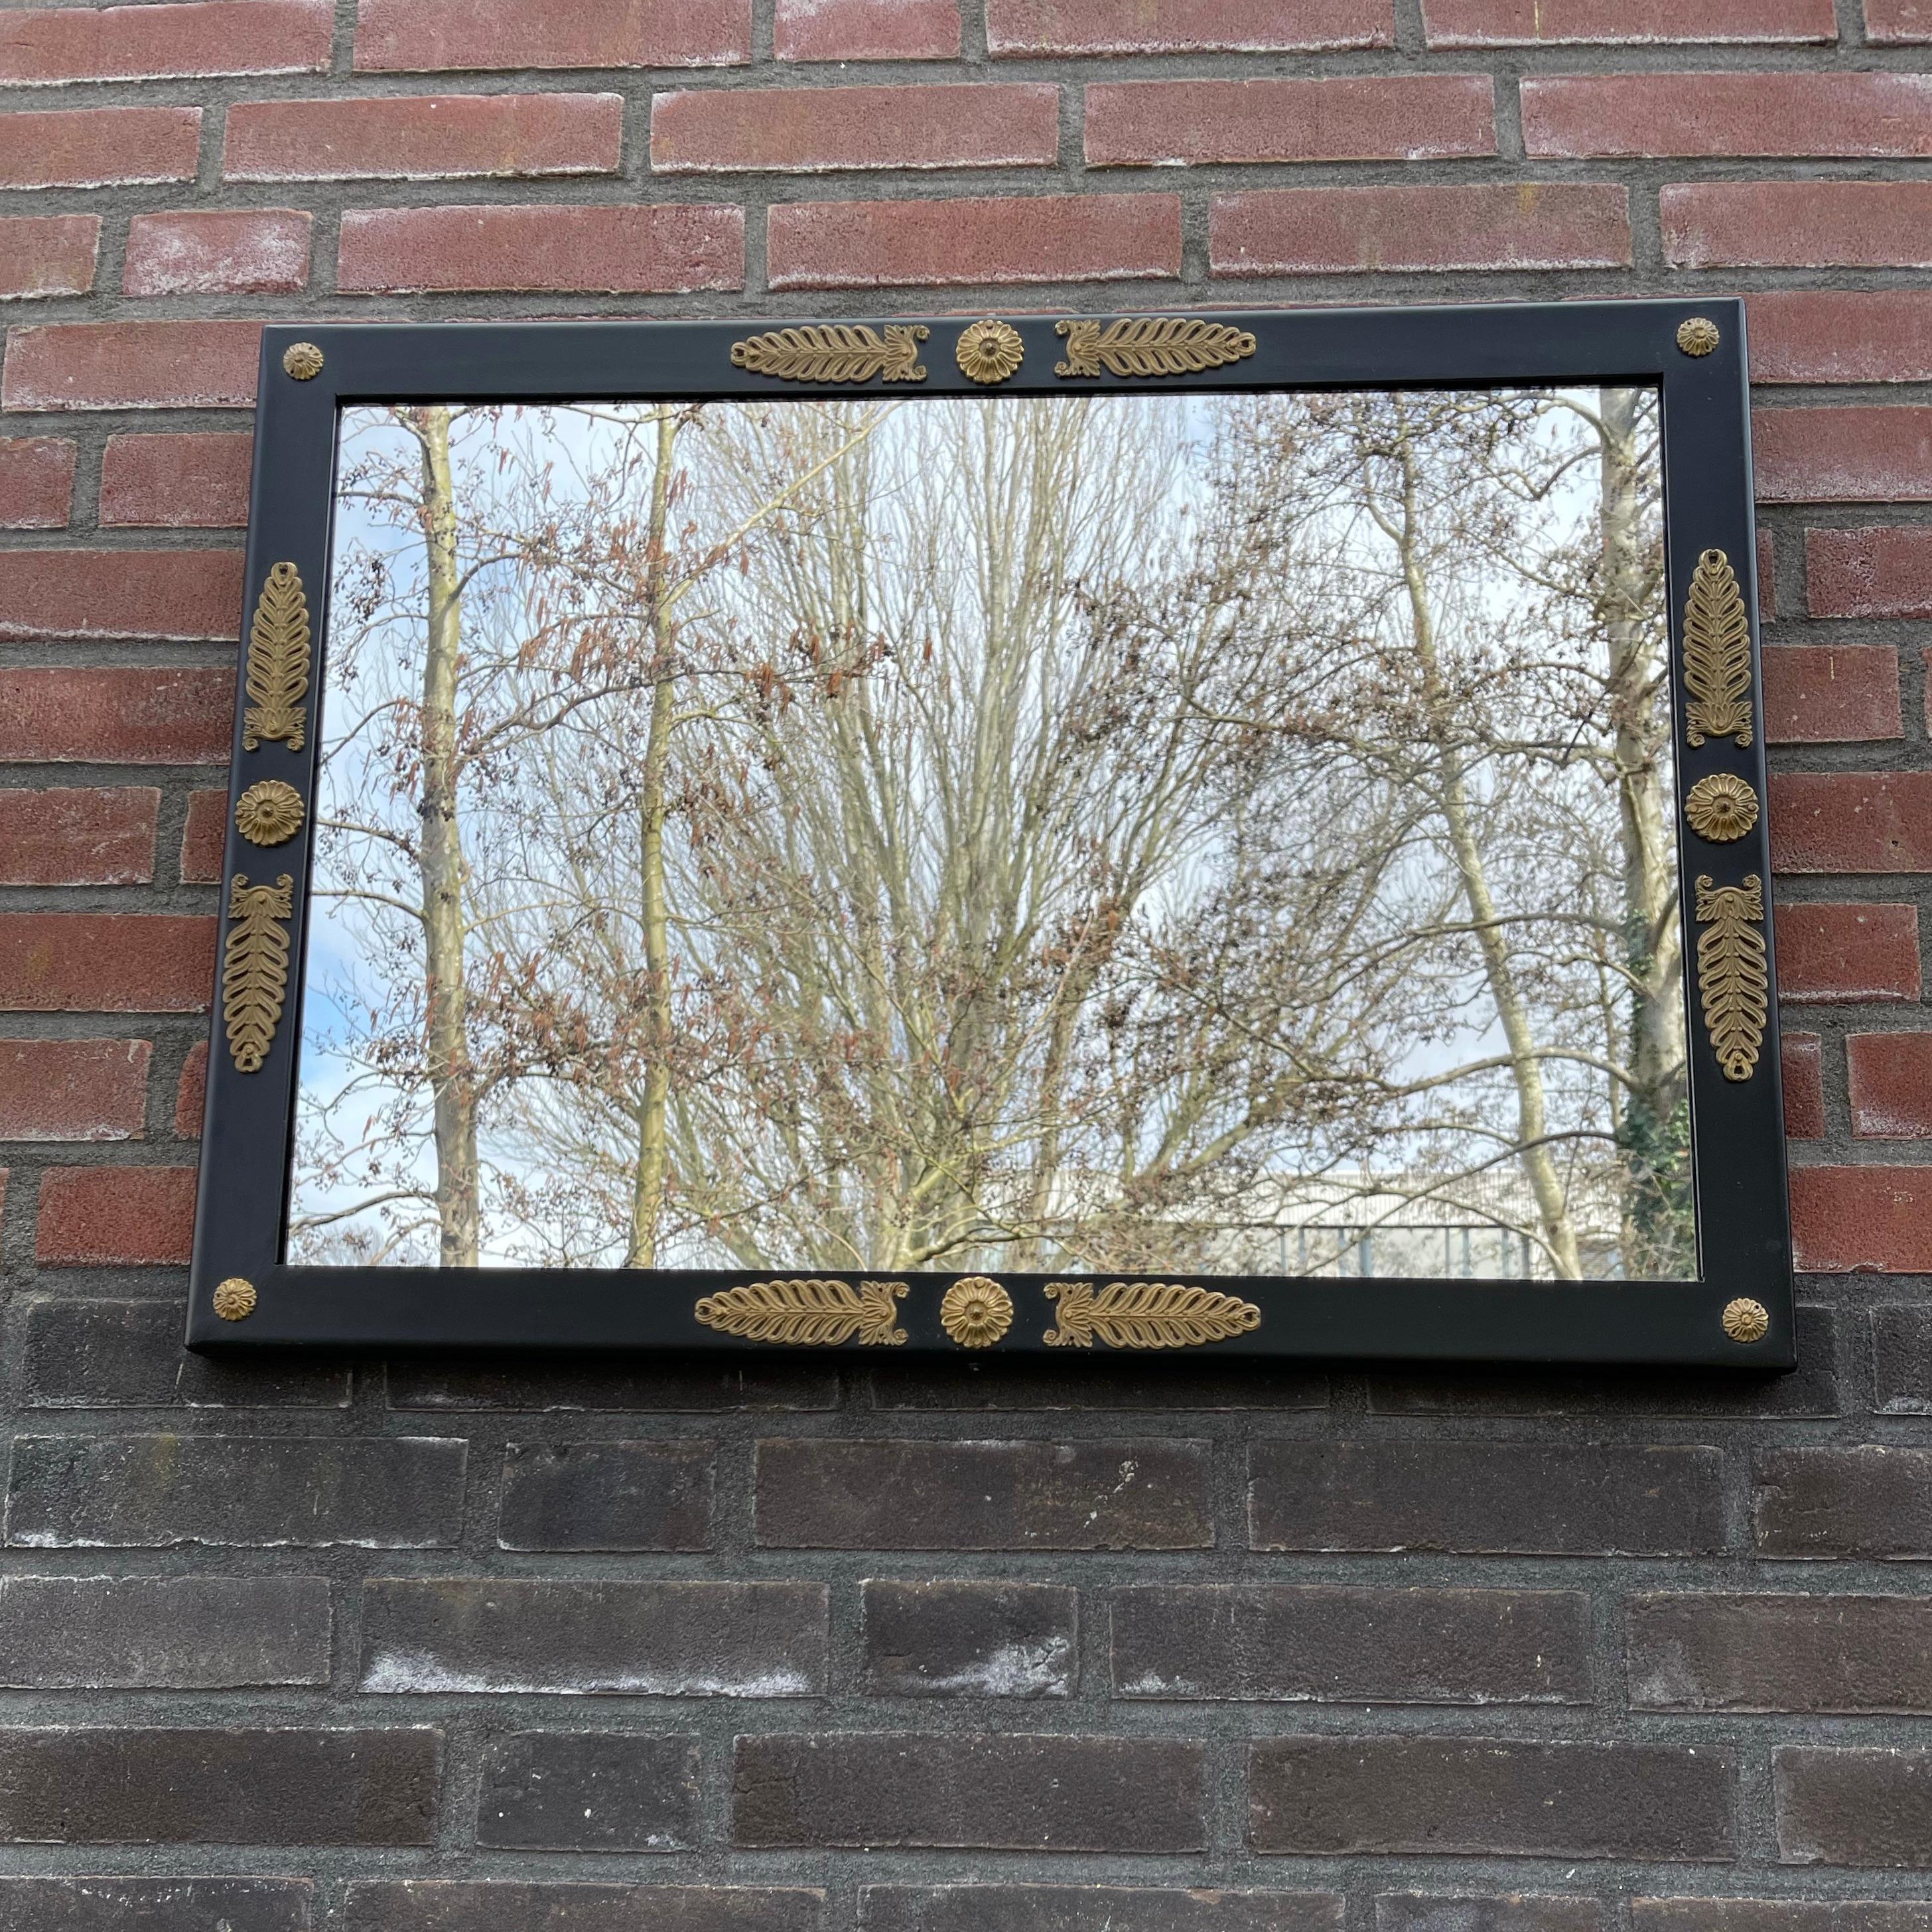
{"type": "Point", "coordinates": [1146, 1314]}
{"type": "Point", "coordinates": [975, 1311]}
{"type": "Point", "coordinates": [836, 352]}
{"type": "Point", "coordinates": [810, 1311]}
{"type": "Point", "coordinates": [1733, 977]}
{"type": "Point", "coordinates": [988, 351]}
{"type": "Point", "coordinates": [1746, 1321]}
{"type": "Point", "coordinates": [1698, 335]}
{"type": "Point", "coordinates": [234, 1299]}
{"type": "Point", "coordinates": [302, 360]}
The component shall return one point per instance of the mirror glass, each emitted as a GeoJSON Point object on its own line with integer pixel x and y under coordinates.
{"type": "Point", "coordinates": [1220, 834]}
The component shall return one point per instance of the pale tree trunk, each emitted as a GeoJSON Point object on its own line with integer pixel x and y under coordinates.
{"type": "Point", "coordinates": [452, 1075]}
{"type": "Point", "coordinates": [647, 1194]}
{"type": "Point", "coordinates": [1552, 1206]}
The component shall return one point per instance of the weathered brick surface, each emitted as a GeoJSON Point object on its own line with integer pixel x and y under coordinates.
{"type": "Point", "coordinates": [160, 595]}
{"type": "Point", "coordinates": [988, 1791]}
{"type": "Point", "coordinates": [1824, 335]}
{"type": "Point", "coordinates": [1845, 1218]}
{"type": "Point", "coordinates": [162, 1633]}
{"type": "Point", "coordinates": [1862, 455]}
{"type": "Point", "coordinates": [1847, 953]}
{"type": "Point", "coordinates": [660, 1639]}
{"type": "Point", "coordinates": [1781, 1914]}
{"type": "Point", "coordinates": [1139, 1495]}
{"type": "Point", "coordinates": [156, 1904]}
{"type": "Point", "coordinates": [1510, 23]}
{"type": "Point", "coordinates": [1871, 1500]}
{"type": "Point", "coordinates": [947, 1637]}
{"type": "Point", "coordinates": [1831, 693]}
{"type": "Point", "coordinates": [1801, 1057]}
{"type": "Point", "coordinates": [42, 46]}
{"type": "Point", "coordinates": [131, 365]}
{"type": "Point", "coordinates": [263, 253]}
{"type": "Point", "coordinates": [198, 480]}
{"type": "Point", "coordinates": [1851, 822]}
{"type": "Point", "coordinates": [608, 1495]}
{"type": "Point", "coordinates": [70, 836]}
{"type": "Point", "coordinates": [64, 962]}
{"type": "Point", "coordinates": [36, 482]}
{"type": "Point", "coordinates": [1511, 1912]}
{"type": "Point", "coordinates": [1342, 1795]}
{"type": "Point", "coordinates": [865, 30]}
{"type": "Point", "coordinates": [43, 255]}
{"type": "Point", "coordinates": [1874, 572]}
{"type": "Point", "coordinates": [561, 1791]}
{"type": "Point", "coordinates": [1573, 116]}
{"type": "Point", "coordinates": [99, 147]}
{"type": "Point", "coordinates": [109, 1216]}
{"type": "Point", "coordinates": [113, 716]}
{"type": "Point", "coordinates": [1888, 1077]}
{"type": "Point", "coordinates": [1037, 27]}
{"type": "Point", "coordinates": [433, 36]}
{"type": "Point", "coordinates": [1540, 1498]}
{"type": "Point", "coordinates": [1854, 1808]}
{"type": "Point", "coordinates": [1810, 224]}
{"type": "Point", "coordinates": [1901, 1335]}
{"type": "Point", "coordinates": [441, 1905]}
{"type": "Point", "coordinates": [1092, 1908]}
{"type": "Point", "coordinates": [72, 1090]}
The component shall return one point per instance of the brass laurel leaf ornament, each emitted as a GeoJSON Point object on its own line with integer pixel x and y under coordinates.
{"type": "Point", "coordinates": [1151, 345]}
{"type": "Point", "coordinates": [1716, 653]}
{"type": "Point", "coordinates": [1146, 1314]}
{"type": "Point", "coordinates": [1720, 807]}
{"type": "Point", "coordinates": [1731, 976]}
{"type": "Point", "coordinates": [836, 352]}
{"type": "Point", "coordinates": [255, 968]}
{"type": "Point", "coordinates": [269, 813]}
{"type": "Point", "coordinates": [808, 1313]}
{"type": "Point", "coordinates": [277, 680]}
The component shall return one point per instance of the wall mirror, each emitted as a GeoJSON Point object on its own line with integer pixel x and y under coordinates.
{"type": "Point", "coordinates": [1230, 834]}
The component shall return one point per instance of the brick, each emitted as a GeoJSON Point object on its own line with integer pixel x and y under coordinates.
{"type": "Point", "coordinates": [1356, 230]}
{"type": "Point", "coordinates": [204, 838]}
{"type": "Point", "coordinates": [42, 255]}
{"type": "Point", "coordinates": [1331, 1795]}
{"type": "Point", "coordinates": [1831, 693]}
{"type": "Point", "coordinates": [1092, 1908]}
{"type": "Point", "coordinates": [1021, 1383]}
{"type": "Point", "coordinates": [193, 1091]}
{"type": "Point", "coordinates": [45, 46]}
{"type": "Point", "coordinates": [1797, 224]}
{"type": "Point", "coordinates": [945, 1637]}
{"type": "Point", "coordinates": [1049, 237]}
{"type": "Point", "coordinates": [812, 130]}
{"type": "Point", "coordinates": [1076, 27]}
{"type": "Point", "coordinates": [1873, 572]}
{"type": "Point", "coordinates": [670, 248]}
{"type": "Point", "coordinates": [155, 1904]}
{"type": "Point", "coordinates": [1853, 1807]}
{"type": "Point", "coordinates": [1889, 1078]}
{"type": "Point", "coordinates": [1543, 1499]}
{"type": "Point", "coordinates": [699, 1638]}
{"type": "Point", "coordinates": [1803, 1066]}
{"type": "Point", "coordinates": [547, 1791]}
{"type": "Point", "coordinates": [115, 1216]}
{"type": "Point", "coordinates": [1836, 335]}
{"type": "Point", "coordinates": [983, 1792]}
{"type": "Point", "coordinates": [440, 36]}
{"type": "Point", "coordinates": [1779, 1915]}
{"type": "Point", "coordinates": [99, 147]}
{"type": "Point", "coordinates": [1857, 455]}
{"type": "Point", "coordinates": [1851, 822]}
{"type": "Point", "coordinates": [72, 1090]}
{"type": "Point", "coordinates": [1384, 118]}
{"type": "Point", "coordinates": [1902, 1358]}
{"type": "Point", "coordinates": [866, 30]}
{"type": "Point", "coordinates": [1528, 23]}
{"type": "Point", "coordinates": [36, 482]}
{"type": "Point", "coordinates": [1846, 1219]}
{"type": "Point", "coordinates": [1513, 1912]}
{"type": "Point", "coordinates": [285, 1491]}
{"type": "Point", "coordinates": [132, 1785]}
{"type": "Point", "coordinates": [158, 594]}
{"type": "Point", "coordinates": [1148, 1494]}
{"type": "Point", "coordinates": [1725, 115]}
{"type": "Point", "coordinates": [446, 1905]}
{"type": "Point", "coordinates": [607, 1495]}
{"type": "Point", "coordinates": [78, 836]}
{"type": "Point", "coordinates": [128, 1354]}
{"type": "Point", "coordinates": [196, 480]}
{"type": "Point", "coordinates": [1700, 1652]}
{"type": "Point", "coordinates": [214, 252]}
{"type": "Point", "coordinates": [162, 1633]}
{"type": "Point", "coordinates": [1897, 23]}
{"type": "Point", "coordinates": [116, 716]}
{"type": "Point", "coordinates": [1847, 953]}
{"type": "Point", "coordinates": [1328, 1643]}
{"type": "Point", "coordinates": [1870, 1500]}
{"type": "Point", "coordinates": [675, 1388]}
{"type": "Point", "coordinates": [423, 137]}
{"type": "Point", "coordinates": [132, 365]}
{"type": "Point", "coordinates": [54, 962]}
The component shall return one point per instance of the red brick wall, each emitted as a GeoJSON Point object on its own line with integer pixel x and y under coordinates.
{"type": "Point", "coordinates": [280, 1647]}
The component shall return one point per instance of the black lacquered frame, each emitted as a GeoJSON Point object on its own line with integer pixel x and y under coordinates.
{"type": "Point", "coordinates": [1738, 1125]}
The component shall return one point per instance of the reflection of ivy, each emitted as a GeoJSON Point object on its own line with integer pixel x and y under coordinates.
{"type": "Point", "coordinates": [1659, 1212]}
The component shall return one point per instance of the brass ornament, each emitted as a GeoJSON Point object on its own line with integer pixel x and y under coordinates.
{"type": "Point", "coordinates": [1716, 653]}
{"type": "Point", "coordinates": [255, 968]}
{"type": "Point", "coordinates": [989, 351]}
{"type": "Point", "coordinates": [1151, 345]}
{"type": "Point", "coordinates": [1721, 808]}
{"type": "Point", "coordinates": [1732, 977]}
{"type": "Point", "coordinates": [1146, 1314]}
{"type": "Point", "coordinates": [1746, 1320]}
{"type": "Point", "coordinates": [1698, 336]}
{"type": "Point", "coordinates": [276, 680]}
{"type": "Point", "coordinates": [976, 1312]}
{"type": "Point", "coordinates": [811, 1313]}
{"type": "Point", "coordinates": [269, 813]}
{"type": "Point", "coordinates": [234, 1299]}
{"type": "Point", "coordinates": [303, 361]}
{"type": "Point", "coordinates": [836, 352]}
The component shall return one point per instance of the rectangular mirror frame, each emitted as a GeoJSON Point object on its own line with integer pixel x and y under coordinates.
{"type": "Point", "coordinates": [1737, 1316]}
